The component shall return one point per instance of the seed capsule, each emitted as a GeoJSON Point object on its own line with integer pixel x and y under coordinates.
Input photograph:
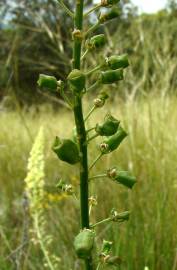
{"type": "Point", "coordinates": [106, 3]}
{"type": "Point", "coordinates": [100, 100]}
{"type": "Point", "coordinates": [48, 82]}
{"type": "Point", "coordinates": [119, 217]}
{"type": "Point", "coordinates": [122, 177]}
{"type": "Point", "coordinates": [111, 143]}
{"type": "Point", "coordinates": [76, 80]}
{"type": "Point", "coordinates": [118, 61]}
{"type": "Point", "coordinates": [125, 179]}
{"type": "Point", "coordinates": [112, 14]}
{"type": "Point", "coordinates": [113, 260]}
{"type": "Point", "coordinates": [97, 42]}
{"type": "Point", "coordinates": [83, 243]}
{"type": "Point", "coordinates": [111, 76]}
{"type": "Point", "coordinates": [66, 150]}
{"type": "Point", "coordinates": [109, 127]}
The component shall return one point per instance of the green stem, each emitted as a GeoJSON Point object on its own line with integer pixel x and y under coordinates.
{"type": "Point", "coordinates": [90, 129]}
{"type": "Point", "coordinates": [89, 113]}
{"type": "Point", "coordinates": [95, 161]}
{"type": "Point", "coordinates": [98, 176]}
{"type": "Point", "coordinates": [93, 86]}
{"type": "Point", "coordinates": [94, 8]}
{"type": "Point", "coordinates": [81, 132]}
{"type": "Point", "coordinates": [93, 70]}
{"type": "Point", "coordinates": [84, 54]}
{"type": "Point", "coordinates": [101, 222]}
{"type": "Point", "coordinates": [92, 29]}
{"type": "Point", "coordinates": [93, 137]}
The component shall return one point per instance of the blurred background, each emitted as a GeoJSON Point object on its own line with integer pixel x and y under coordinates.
{"type": "Point", "coordinates": [35, 37]}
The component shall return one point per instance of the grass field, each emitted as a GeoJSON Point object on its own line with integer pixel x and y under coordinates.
{"type": "Point", "coordinates": [150, 152]}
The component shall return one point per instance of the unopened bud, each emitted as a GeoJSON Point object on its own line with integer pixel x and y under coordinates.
{"type": "Point", "coordinates": [76, 80]}
{"type": "Point", "coordinates": [112, 14]}
{"type": "Point", "coordinates": [111, 76]}
{"type": "Point", "coordinates": [66, 150]}
{"type": "Point", "coordinates": [111, 143]}
{"type": "Point", "coordinates": [109, 127]}
{"type": "Point", "coordinates": [84, 243]}
{"type": "Point", "coordinates": [117, 61]}
{"type": "Point", "coordinates": [47, 82]}
{"type": "Point", "coordinates": [100, 100]}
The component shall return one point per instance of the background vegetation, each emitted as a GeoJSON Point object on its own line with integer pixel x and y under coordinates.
{"type": "Point", "coordinates": [35, 41]}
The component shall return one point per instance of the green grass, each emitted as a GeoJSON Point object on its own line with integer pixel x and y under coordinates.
{"type": "Point", "coordinates": [150, 152]}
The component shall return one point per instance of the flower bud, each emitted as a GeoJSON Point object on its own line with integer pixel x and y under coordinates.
{"type": "Point", "coordinates": [112, 14]}
{"type": "Point", "coordinates": [48, 82]}
{"type": "Point", "coordinates": [96, 42]}
{"type": "Point", "coordinates": [111, 143]}
{"type": "Point", "coordinates": [83, 243]}
{"type": "Point", "coordinates": [122, 177]}
{"type": "Point", "coordinates": [118, 61]}
{"type": "Point", "coordinates": [109, 127]}
{"type": "Point", "coordinates": [100, 100]}
{"type": "Point", "coordinates": [66, 150]}
{"type": "Point", "coordinates": [111, 76]}
{"type": "Point", "coordinates": [76, 80]}
{"type": "Point", "coordinates": [107, 3]}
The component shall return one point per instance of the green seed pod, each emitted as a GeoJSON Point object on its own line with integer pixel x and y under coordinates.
{"type": "Point", "coordinates": [76, 80]}
{"type": "Point", "coordinates": [111, 76]}
{"type": "Point", "coordinates": [84, 243]}
{"type": "Point", "coordinates": [66, 150]}
{"type": "Point", "coordinates": [119, 217]}
{"type": "Point", "coordinates": [114, 260]}
{"type": "Point", "coordinates": [118, 61]}
{"type": "Point", "coordinates": [107, 3]}
{"type": "Point", "coordinates": [100, 100]}
{"type": "Point", "coordinates": [125, 179]}
{"type": "Point", "coordinates": [48, 82]}
{"type": "Point", "coordinates": [109, 127]}
{"type": "Point", "coordinates": [97, 42]}
{"type": "Point", "coordinates": [111, 143]}
{"type": "Point", "coordinates": [112, 14]}
{"type": "Point", "coordinates": [122, 177]}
